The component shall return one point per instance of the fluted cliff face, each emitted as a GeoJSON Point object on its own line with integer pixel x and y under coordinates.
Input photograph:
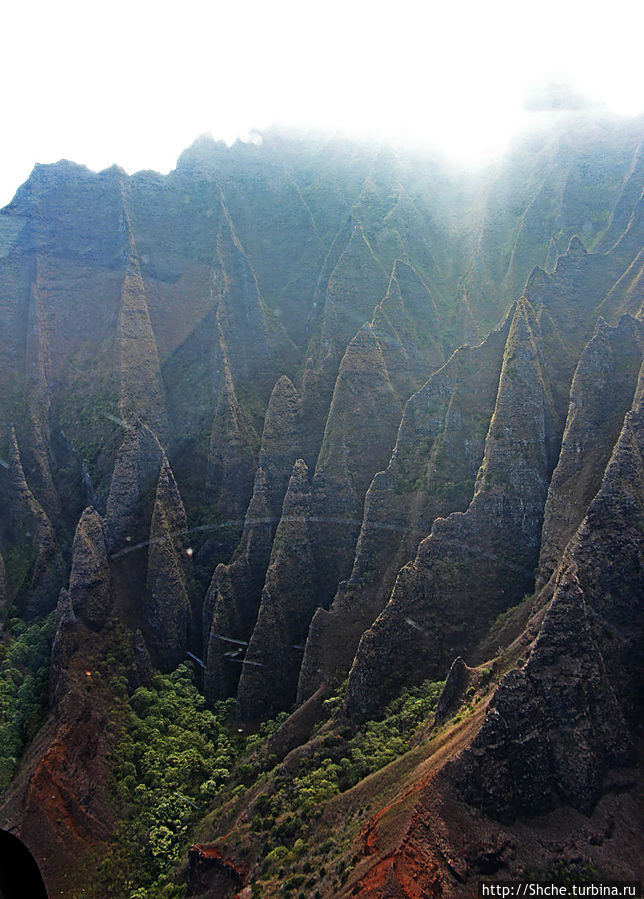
{"type": "Point", "coordinates": [556, 727]}
{"type": "Point", "coordinates": [141, 388]}
{"type": "Point", "coordinates": [476, 564]}
{"type": "Point", "coordinates": [238, 423]}
{"type": "Point", "coordinates": [270, 667]}
{"type": "Point", "coordinates": [600, 396]}
{"type": "Point", "coordinates": [30, 533]}
{"type": "Point", "coordinates": [89, 581]}
{"type": "Point", "coordinates": [166, 605]}
{"type": "Point", "coordinates": [432, 470]}
{"type": "Point", "coordinates": [232, 600]}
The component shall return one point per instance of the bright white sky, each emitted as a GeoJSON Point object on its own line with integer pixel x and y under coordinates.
{"type": "Point", "coordinates": [135, 82]}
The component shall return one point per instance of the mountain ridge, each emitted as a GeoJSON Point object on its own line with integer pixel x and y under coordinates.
{"type": "Point", "coordinates": [242, 427]}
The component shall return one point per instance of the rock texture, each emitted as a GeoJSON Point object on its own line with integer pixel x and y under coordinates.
{"type": "Point", "coordinates": [556, 727]}
{"type": "Point", "coordinates": [432, 471]}
{"type": "Point", "coordinates": [233, 597]}
{"type": "Point", "coordinates": [89, 581]}
{"type": "Point", "coordinates": [494, 545]}
{"type": "Point", "coordinates": [134, 479]}
{"type": "Point", "coordinates": [233, 454]}
{"type": "Point", "coordinates": [358, 438]}
{"type": "Point", "coordinates": [37, 577]}
{"type": "Point", "coordinates": [271, 664]}
{"type": "Point", "coordinates": [356, 283]}
{"type": "Point", "coordinates": [60, 802]}
{"type": "Point", "coordinates": [166, 606]}
{"type": "Point", "coordinates": [408, 327]}
{"type": "Point", "coordinates": [142, 392]}
{"type": "Point", "coordinates": [601, 393]}
{"type": "Point", "coordinates": [38, 458]}
{"type": "Point", "coordinates": [64, 645]}
{"type": "Point", "coordinates": [452, 694]}
{"type": "Point", "coordinates": [405, 490]}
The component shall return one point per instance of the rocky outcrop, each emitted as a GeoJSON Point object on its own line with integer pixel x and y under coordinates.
{"type": "Point", "coordinates": [64, 644]}
{"type": "Point", "coordinates": [271, 664]}
{"type": "Point", "coordinates": [233, 454]}
{"type": "Point", "coordinates": [89, 581]}
{"type": "Point", "coordinates": [574, 291]}
{"type": "Point", "coordinates": [432, 472]}
{"type": "Point", "coordinates": [232, 600]}
{"type": "Point", "coordinates": [166, 606]}
{"type": "Point", "coordinates": [464, 327]}
{"type": "Point", "coordinates": [601, 393]}
{"type": "Point", "coordinates": [359, 435]}
{"type": "Point", "coordinates": [245, 373]}
{"type": "Point", "coordinates": [386, 360]}
{"type": "Point", "coordinates": [134, 479]}
{"type": "Point", "coordinates": [453, 691]}
{"type": "Point", "coordinates": [240, 312]}
{"type": "Point", "coordinates": [545, 194]}
{"type": "Point", "coordinates": [128, 518]}
{"type": "Point", "coordinates": [282, 438]}
{"type": "Point", "coordinates": [408, 328]}
{"type": "Point", "coordinates": [357, 283]}
{"type": "Point", "coordinates": [555, 728]}
{"type": "Point", "coordinates": [494, 545]}
{"type": "Point", "coordinates": [352, 289]}
{"type": "Point", "coordinates": [36, 578]}
{"type": "Point", "coordinates": [37, 453]}
{"type": "Point", "coordinates": [264, 198]}
{"type": "Point", "coordinates": [629, 195]}
{"type": "Point", "coordinates": [142, 392]}
{"type": "Point", "coordinates": [627, 296]}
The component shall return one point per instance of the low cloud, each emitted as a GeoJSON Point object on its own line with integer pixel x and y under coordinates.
{"type": "Point", "coordinates": [555, 96]}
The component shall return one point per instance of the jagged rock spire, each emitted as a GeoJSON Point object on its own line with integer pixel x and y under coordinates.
{"type": "Point", "coordinates": [233, 598]}
{"type": "Point", "coordinates": [135, 475]}
{"type": "Point", "coordinates": [30, 528]}
{"type": "Point", "coordinates": [601, 393]}
{"type": "Point", "coordinates": [270, 667]}
{"type": "Point", "coordinates": [166, 606]}
{"type": "Point", "coordinates": [65, 643]}
{"type": "Point", "coordinates": [432, 470]}
{"type": "Point", "coordinates": [494, 545]}
{"type": "Point", "coordinates": [141, 386]}
{"type": "Point", "coordinates": [555, 728]}
{"type": "Point", "coordinates": [233, 453]}
{"type": "Point", "coordinates": [89, 581]}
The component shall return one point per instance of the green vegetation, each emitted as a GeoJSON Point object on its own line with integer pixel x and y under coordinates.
{"type": "Point", "coordinates": [508, 615]}
{"type": "Point", "coordinates": [411, 463]}
{"type": "Point", "coordinates": [171, 759]}
{"type": "Point", "coordinates": [286, 816]}
{"type": "Point", "coordinates": [253, 408]}
{"type": "Point", "coordinates": [24, 685]}
{"type": "Point", "coordinates": [88, 401]}
{"type": "Point", "coordinates": [563, 874]}
{"type": "Point", "coordinates": [19, 560]}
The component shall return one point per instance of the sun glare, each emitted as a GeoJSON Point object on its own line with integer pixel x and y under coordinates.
{"type": "Point", "coordinates": [130, 84]}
